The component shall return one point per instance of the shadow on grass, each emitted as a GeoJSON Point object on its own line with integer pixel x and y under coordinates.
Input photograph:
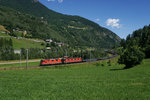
{"type": "Point", "coordinates": [117, 69]}
{"type": "Point", "coordinates": [55, 67]}
{"type": "Point", "coordinates": [124, 68]}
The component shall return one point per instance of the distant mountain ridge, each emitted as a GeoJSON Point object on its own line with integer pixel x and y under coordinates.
{"type": "Point", "coordinates": [74, 30]}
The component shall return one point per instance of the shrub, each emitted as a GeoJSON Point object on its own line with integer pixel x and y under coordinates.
{"type": "Point", "coordinates": [147, 51]}
{"type": "Point", "coordinates": [109, 63]}
{"type": "Point", "coordinates": [131, 56]}
{"type": "Point", "coordinates": [97, 64]}
{"type": "Point", "coordinates": [102, 65]}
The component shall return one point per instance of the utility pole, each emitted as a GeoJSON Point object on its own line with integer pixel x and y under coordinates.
{"type": "Point", "coordinates": [56, 53]}
{"type": "Point", "coordinates": [81, 53]}
{"type": "Point", "coordinates": [90, 54]}
{"type": "Point", "coordinates": [20, 59]}
{"type": "Point", "coordinates": [66, 52]}
{"type": "Point", "coordinates": [27, 60]}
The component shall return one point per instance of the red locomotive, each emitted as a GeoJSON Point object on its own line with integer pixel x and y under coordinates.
{"type": "Point", "coordinates": [64, 60]}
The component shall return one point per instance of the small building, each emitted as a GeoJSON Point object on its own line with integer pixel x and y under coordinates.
{"type": "Point", "coordinates": [48, 48]}
{"type": "Point", "coordinates": [60, 44]}
{"type": "Point", "coordinates": [49, 40]}
{"type": "Point", "coordinates": [24, 33]}
{"type": "Point", "coordinates": [17, 51]}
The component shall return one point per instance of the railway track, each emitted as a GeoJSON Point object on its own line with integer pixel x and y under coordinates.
{"type": "Point", "coordinates": [37, 67]}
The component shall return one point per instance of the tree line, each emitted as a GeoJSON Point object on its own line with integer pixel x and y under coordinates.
{"type": "Point", "coordinates": [7, 52]}
{"type": "Point", "coordinates": [6, 49]}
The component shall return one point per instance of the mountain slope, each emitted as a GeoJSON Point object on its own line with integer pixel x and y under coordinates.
{"type": "Point", "coordinates": [73, 30]}
{"type": "Point", "coordinates": [35, 27]}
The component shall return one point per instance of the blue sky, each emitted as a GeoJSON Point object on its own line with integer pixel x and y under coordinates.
{"type": "Point", "coordinates": [120, 16]}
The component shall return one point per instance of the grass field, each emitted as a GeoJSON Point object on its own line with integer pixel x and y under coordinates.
{"type": "Point", "coordinates": [23, 43]}
{"type": "Point", "coordinates": [3, 34]}
{"type": "Point", "coordinates": [20, 65]}
{"type": "Point", "coordinates": [90, 81]}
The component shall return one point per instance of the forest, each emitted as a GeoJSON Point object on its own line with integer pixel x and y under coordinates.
{"type": "Point", "coordinates": [7, 52]}
{"type": "Point", "coordinates": [135, 48]}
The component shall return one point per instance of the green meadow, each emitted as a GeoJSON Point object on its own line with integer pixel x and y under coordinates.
{"type": "Point", "coordinates": [88, 81]}
{"type": "Point", "coordinates": [3, 34]}
{"type": "Point", "coordinates": [23, 43]}
{"type": "Point", "coordinates": [30, 64]}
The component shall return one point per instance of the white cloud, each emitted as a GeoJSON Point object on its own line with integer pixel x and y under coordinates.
{"type": "Point", "coordinates": [113, 23]}
{"type": "Point", "coordinates": [50, 0]}
{"type": "Point", "coordinates": [97, 20]}
{"type": "Point", "coordinates": [60, 1]}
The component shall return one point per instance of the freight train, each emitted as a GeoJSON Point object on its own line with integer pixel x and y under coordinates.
{"type": "Point", "coordinates": [64, 60]}
{"type": "Point", "coordinates": [67, 60]}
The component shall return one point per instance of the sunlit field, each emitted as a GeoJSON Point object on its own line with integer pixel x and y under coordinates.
{"type": "Point", "coordinates": [89, 81]}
